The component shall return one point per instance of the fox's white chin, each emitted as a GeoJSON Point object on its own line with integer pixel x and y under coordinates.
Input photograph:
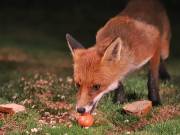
{"type": "Point", "coordinates": [93, 107]}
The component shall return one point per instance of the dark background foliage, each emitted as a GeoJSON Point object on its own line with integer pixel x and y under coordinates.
{"type": "Point", "coordinates": [23, 19]}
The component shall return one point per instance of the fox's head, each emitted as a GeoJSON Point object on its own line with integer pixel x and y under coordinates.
{"type": "Point", "coordinates": [94, 73]}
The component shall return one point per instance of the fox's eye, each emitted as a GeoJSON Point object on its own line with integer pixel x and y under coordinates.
{"type": "Point", "coordinates": [77, 85]}
{"type": "Point", "coordinates": [96, 87]}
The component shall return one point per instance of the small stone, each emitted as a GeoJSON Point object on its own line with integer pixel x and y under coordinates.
{"type": "Point", "coordinates": [69, 79]}
{"type": "Point", "coordinates": [128, 132]}
{"type": "Point", "coordinates": [126, 121]}
{"type": "Point", "coordinates": [52, 122]}
{"type": "Point", "coordinates": [33, 106]}
{"type": "Point", "coordinates": [60, 79]}
{"type": "Point", "coordinates": [34, 130]}
{"type": "Point", "coordinates": [62, 97]}
{"type": "Point", "coordinates": [94, 113]}
{"type": "Point", "coordinates": [46, 114]}
{"type": "Point", "coordinates": [53, 126]}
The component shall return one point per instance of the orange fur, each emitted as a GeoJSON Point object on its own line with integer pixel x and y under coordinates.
{"type": "Point", "coordinates": [144, 30]}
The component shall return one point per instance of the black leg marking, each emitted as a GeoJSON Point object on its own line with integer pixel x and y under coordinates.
{"type": "Point", "coordinates": [153, 90]}
{"type": "Point", "coordinates": [163, 74]}
{"type": "Point", "coordinates": [119, 94]}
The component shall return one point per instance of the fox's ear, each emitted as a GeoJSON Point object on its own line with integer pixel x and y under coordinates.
{"type": "Point", "coordinates": [113, 52]}
{"type": "Point", "coordinates": [73, 43]}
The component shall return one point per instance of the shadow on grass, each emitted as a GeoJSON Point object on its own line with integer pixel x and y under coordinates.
{"type": "Point", "coordinates": [176, 80]}
{"type": "Point", "coordinates": [133, 96]}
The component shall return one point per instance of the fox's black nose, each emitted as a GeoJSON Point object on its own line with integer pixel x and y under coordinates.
{"type": "Point", "coordinates": [81, 110]}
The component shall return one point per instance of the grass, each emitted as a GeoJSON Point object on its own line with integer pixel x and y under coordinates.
{"type": "Point", "coordinates": [170, 127]}
{"type": "Point", "coordinates": [20, 81]}
{"type": "Point", "coordinates": [76, 130]}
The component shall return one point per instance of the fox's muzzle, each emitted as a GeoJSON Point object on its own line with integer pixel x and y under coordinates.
{"type": "Point", "coordinates": [88, 108]}
{"type": "Point", "coordinates": [81, 110]}
{"type": "Point", "coordinates": [92, 105]}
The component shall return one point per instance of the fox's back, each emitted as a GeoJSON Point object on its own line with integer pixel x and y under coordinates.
{"type": "Point", "coordinates": [148, 11]}
{"type": "Point", "coordinates": [140, 25]}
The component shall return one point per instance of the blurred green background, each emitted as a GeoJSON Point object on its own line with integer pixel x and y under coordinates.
{"type": "Point", "coordinates": [44, 23]}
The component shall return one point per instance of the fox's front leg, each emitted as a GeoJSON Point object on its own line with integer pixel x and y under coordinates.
{"type": "Point", "coordinates": [153, 79]}
{"type": "Point", "coordinates": [119, 94]}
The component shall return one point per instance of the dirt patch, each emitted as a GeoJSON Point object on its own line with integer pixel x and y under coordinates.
{"type": "Point", "coordinates": [65, 118]}
{"type": "Point", "coordinates": [53, 112]}
{"type": "Point", "coordinates": [162, 114]}
{"type": "Point", "coordinates": [12, 54]}
{"type": "Point", "coordinates": [34, 63]}
{"type": "Point", "coordinates": [9, 124]}
{"type": "Point", "coordinates": [167, 91]}
{"type": "Point", "coordinates": [55, 105]}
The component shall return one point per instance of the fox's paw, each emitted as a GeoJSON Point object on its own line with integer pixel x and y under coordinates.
{"type": "Point", "coordinates": [156, 103]}
{"type": "Point", "coordinates": [155, 100]}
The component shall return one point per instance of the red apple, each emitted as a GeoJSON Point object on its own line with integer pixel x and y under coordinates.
{"type": "Point", "coordinates": [85, 120]}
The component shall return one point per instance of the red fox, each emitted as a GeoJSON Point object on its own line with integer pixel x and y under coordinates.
{"type": "Point", "coordinates": [138, 35]}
